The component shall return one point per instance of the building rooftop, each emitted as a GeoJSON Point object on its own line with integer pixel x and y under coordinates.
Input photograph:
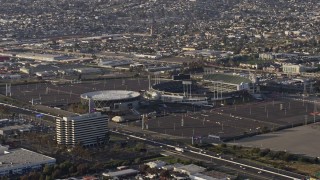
{"type": "Point", "coordinates": [156, 164]}
{"type": "Point", "coordinates": [83, 116]}
{"type": "Point", "coordinates": [22, 157]}
{"type": "Point", "coordinates": [217, 175]}
{"type": "Point", "coordinates": [125, 172]}
{"type": "Point", "coordinates": [190, 169]}
{"type": "Point", "coordinates": [110, 95]}
{"type": "Point", "coordinates": [16, 127]}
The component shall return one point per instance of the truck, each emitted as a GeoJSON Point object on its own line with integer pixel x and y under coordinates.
{"type": "Point", "coordinates": [179, 149]}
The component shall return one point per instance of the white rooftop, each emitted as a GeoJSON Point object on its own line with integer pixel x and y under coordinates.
{"type": "Point", "coordinates": [110, 95]}
{"type": "Point", "coordinates": [22, 157]}
{"type": "Point", "coordinates": [121, 173]}
{"type": "Point", "coordinates": [190, 169]}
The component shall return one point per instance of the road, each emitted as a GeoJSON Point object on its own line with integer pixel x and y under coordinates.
{"type": "Point", "coordinates": [28, 111]}
{"type": "Point", "coordinates": [248, 169]}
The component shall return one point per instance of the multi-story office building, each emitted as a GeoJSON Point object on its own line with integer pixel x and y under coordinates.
{"type": "Point", "coordinates": [87, 130]}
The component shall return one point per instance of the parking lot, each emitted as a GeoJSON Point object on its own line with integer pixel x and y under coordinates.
{"type": "Point", "coordinates": [59, 95]}
{"type": "Point", "coordinates": [233, 120]}
{"type": "Point", "coordinates": [226, 122]}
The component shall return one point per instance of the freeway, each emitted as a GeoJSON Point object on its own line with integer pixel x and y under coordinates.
{"type": "Point", "coordinates": [22, 109]}
{"type": "Point", "coordinates": [267, 172]}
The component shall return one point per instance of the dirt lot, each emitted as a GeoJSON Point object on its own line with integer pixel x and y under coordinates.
{"type": "Point", "coordinates": [299, 140]}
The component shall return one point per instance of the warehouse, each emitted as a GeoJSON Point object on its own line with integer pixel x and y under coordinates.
{"type": "Point", "coordinates": [20, 161]}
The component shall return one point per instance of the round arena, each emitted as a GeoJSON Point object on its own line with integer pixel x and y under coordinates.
{"type": "Point", "coordinates": [112, 100]}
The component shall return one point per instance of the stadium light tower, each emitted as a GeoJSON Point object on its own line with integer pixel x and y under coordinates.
{"type": "Point", "coordinates": [182, 121]}
{"type": "Point", "coordinates": [221, 89]}
{"type": "Point", "coordinates": [149, 78]}
{"type": "Point", "coordinates": [187, 88]}
{"type": "Point", "coordinates": [91, 106]}
{"type": "Point", "coordinates": [144, 122]}
{"type": "Point", "coordinates": [8, 89]}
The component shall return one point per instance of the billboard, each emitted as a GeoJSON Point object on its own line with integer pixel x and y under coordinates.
{"type": "Point", "coordinates": [181, 77]}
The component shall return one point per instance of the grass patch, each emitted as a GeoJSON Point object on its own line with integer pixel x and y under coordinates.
{"type": "Point", "coordinates": [278, 159]}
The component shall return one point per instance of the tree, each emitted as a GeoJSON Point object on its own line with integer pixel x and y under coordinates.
{"type": "Point", "coordinates": [48, 169]}
{"type": "Point", "coordinates": [25, 177]}
{"type": "Point", "coordinates": [82, 168]}
{"type": "Point", "coordinates": [137, 160]}
{"type": "Point", "coordinates": [42, 177]}
{"type": "Point", "coordinates": [56, 173]}
{"type": "Point", "coordinates": [265, 129]}
{"type": "Point", "coordinates": [72, 169]}
{"type": "Point", "coordinates": [34, 176]}
{"type": "Point", "coordinates": [64, 167]}
{"type": "Point", "coordinates": [288, 157]}
{"type": "Point", "coordinates": [144, 168]}
{"type": "Point", "coordinates": [139, 146]}
{"type": "Point", "coordinates": [264, 152]}
{"type": "Point", "coordinates": [48, 177]}
{"type": "Point", "coordinates": [165, 174]}
{"type": "Point", "coordinates": [255, 150]}
{"type": "Point", "coordinates": [223, 145]}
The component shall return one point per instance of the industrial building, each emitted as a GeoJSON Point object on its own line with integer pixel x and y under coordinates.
{"type": "Point", "coordinates": [293, 69]}
{"type": "Point", "coordinates": [42, 57]}
{"type": "Point", "coordinates": [156, 164]}
{"type": "Point", "coordinates": [114, 63]}
{"type": "Point", "coordinates": [8, 130]}
{"type": "Point", "coordinates": [190, 169]}
{"type": "Point", "coordinates": [86, 130]}
{"type": "Point", "coordinates": [20, 161]}
{"type": "Point", "coordinates": [87, 70]}
{"type": "Point", "coordinates": [120, 174]}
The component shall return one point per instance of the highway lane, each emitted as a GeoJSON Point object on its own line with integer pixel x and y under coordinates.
{"type": "Point", "coordinates": [28, 111]}
{"type": "Point", "coordinates": [225, 167]}
{"type": "Point", "coordinates": [265, 171]}
{"type": "Point", "coordinates": [243, 161]}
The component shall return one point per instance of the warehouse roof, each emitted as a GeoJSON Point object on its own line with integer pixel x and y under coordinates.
{"type": "Point", "coordinates": [22, 157]}
{"type": "Point", "coordinates": [125, 172]}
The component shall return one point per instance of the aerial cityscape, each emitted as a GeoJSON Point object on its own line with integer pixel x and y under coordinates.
{"type": "Point", "coordinates": [159, 89]}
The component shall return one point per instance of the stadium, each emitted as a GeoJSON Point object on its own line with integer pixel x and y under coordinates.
{"type": "Point", "coordinates": [223, 83]}
{"type": "Point", "coordinates": [111, 100]}
{"type": "Point", "coordinates": [187, 92]}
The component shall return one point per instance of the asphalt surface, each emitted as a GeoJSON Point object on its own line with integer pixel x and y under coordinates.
{"type": "Point", "coordinates": [58, 95]}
